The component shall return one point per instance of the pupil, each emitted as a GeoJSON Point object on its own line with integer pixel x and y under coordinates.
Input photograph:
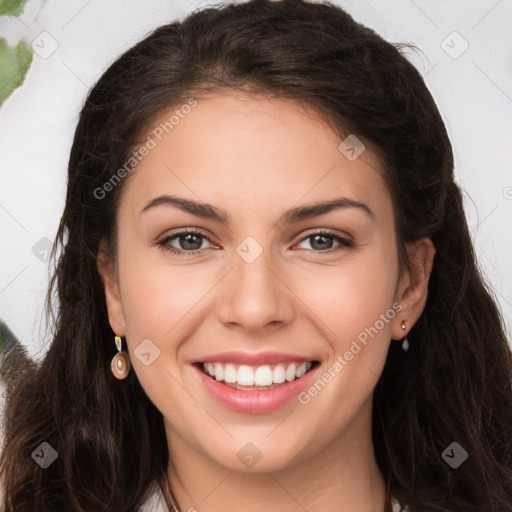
{"type": "Point", "coordinates": [321, 238]}
{"type": "Point", "coordinates": [189, 239]}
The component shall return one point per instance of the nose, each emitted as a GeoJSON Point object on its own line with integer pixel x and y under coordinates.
{"type": "Point", "coordinates": [254, 296]}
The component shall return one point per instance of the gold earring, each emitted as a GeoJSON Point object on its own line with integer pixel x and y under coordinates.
{"type": "Point", "coordinates": [405, 342]}
{"type": "Point", "coordinates": [120, 364]}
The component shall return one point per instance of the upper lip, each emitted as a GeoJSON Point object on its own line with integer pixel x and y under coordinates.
{"type": "Point", "coordinates": [254, 358]}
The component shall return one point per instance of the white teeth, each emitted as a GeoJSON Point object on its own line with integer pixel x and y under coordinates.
{"type": "Point", "coordinates": [219, 371]}
{"type": "Point", "coordinates": [263, 376]}
{"type": "Point", "coordinates": [300, 371]}
{"type": "Point", "coordinates": [245, 376]}
{"type": "Point", "coordinates": [210, 367]}
{"type": "Point", "coordinates": [290, 372]}
{"type": "Point", "coordinates": [279, 374]}
{"type": "Point", "coordinates": [260, 376]}
{"type": "Point", "coordinates": [230, 373]}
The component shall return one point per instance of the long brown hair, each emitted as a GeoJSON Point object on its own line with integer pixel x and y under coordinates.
{"type": "Point", "coordinates": [454, 384]}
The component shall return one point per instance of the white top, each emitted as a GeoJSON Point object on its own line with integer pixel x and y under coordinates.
{"type": "Point", "coordinates": [155, 502]}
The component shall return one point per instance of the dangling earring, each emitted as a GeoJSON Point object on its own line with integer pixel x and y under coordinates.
{"type": "Point", "coordinates": [405, 342]}
{"type": "Point", "coordinates": [120, 364]}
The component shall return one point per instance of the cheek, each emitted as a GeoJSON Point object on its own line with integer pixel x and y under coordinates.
{"type": "Point", "coordinates": [354, 306]}
{"type": "Point", "coordinates": [159, 302]}
{"type": "Point", "coordinates": [353, 296]}
{"type": "Point", "coordinates": [157, 298]}
{"type": "Point", "coordinates": [162, 301]}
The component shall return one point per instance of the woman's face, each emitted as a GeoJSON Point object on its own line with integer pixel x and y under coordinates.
{"type": "Point", "coordinates": [265, 282]}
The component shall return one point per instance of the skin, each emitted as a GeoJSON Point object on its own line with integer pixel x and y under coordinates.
{"type": "Point", "coordinates": [256, 158]}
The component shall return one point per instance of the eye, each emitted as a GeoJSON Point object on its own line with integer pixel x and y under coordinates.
{"type": "Point", "coordinates": [189, 241]}
{"type": "Point", "coordinates": [321, 241]}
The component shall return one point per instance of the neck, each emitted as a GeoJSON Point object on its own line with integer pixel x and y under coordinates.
{"type": "Point", "coordinates": [342, 476]}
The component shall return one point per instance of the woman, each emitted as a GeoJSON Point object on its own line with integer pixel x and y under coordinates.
{"type": "Point", "coordinates": [260, 199]}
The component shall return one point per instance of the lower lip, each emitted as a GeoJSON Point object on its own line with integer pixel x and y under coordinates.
{"type": "Point", "coordinates": [255, 402]}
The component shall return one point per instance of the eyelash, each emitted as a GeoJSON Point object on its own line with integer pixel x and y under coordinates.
{"type": "Point", "coordinates": [345, 243]}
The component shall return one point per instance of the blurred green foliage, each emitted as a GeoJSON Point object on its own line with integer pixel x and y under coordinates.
{"type": "Point", "coordinates": [14, 64]}
{"type": "Point", "coordinates": [12, 7]}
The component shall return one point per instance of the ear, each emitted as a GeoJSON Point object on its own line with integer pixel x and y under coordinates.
{"type": "Point", "coordinates": [413, 286]}
{"type": "Point", "coordinates": [107, 271]}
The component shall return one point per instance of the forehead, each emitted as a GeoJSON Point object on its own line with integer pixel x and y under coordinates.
{"type": "Point", "coordinates": [251, 152]}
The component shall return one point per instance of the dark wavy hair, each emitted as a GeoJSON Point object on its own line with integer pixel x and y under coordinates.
{"type": "Point", "coordinates": [453, 384]}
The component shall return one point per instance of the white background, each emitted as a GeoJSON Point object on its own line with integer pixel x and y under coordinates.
{"type": "Point", "coordinates": [473, 92]}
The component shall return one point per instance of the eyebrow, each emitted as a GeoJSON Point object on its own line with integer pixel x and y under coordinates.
{"type": "Point", "coordinates": [291, 216]}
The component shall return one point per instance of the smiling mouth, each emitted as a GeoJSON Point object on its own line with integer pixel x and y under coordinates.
{"type": "Point", "coordinates": [256, 378]}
